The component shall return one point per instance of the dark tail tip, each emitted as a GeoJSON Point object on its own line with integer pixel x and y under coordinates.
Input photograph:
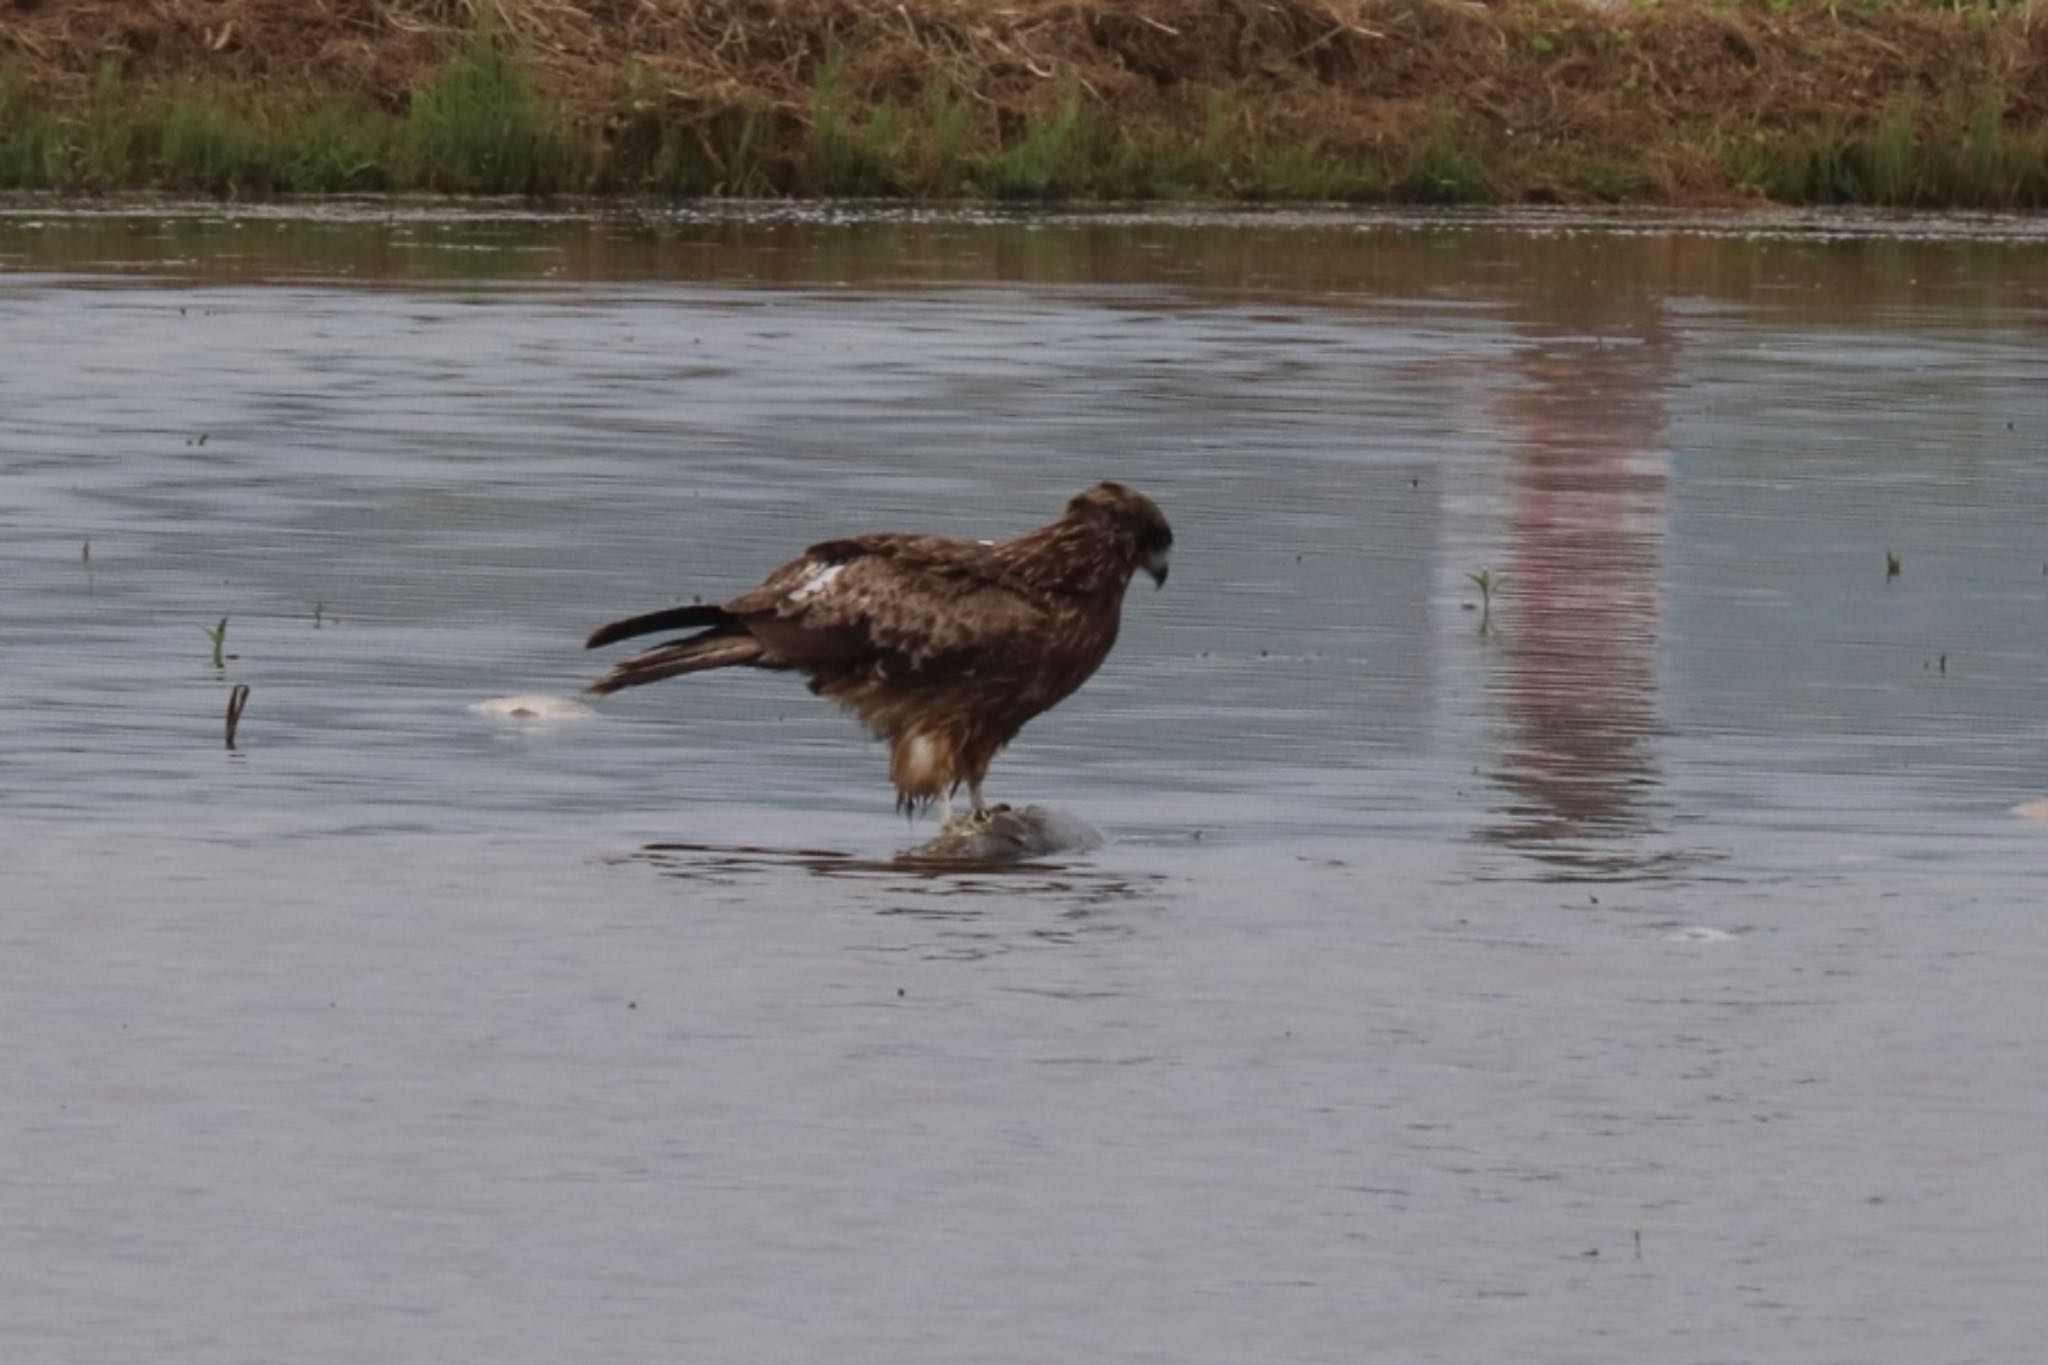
{"type": "Point", "coordinates": [675, 618]}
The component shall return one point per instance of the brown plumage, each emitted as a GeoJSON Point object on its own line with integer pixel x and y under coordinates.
{"type": "Point", "coordinates": [944, 648]}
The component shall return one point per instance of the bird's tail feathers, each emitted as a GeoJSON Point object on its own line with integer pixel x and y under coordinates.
{"type": "Point", "coordinates": [713, 649]}
{"type": "Point", "coordinates": [674, 618]}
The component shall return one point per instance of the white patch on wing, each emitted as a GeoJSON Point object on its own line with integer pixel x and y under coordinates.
{"type": "Point", "coordinates": [820, 579]}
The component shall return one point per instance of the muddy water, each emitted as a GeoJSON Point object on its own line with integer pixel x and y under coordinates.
{"type": "Point", "coordinates": [1646, 968]}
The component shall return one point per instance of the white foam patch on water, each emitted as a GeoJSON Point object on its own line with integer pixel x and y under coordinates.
{"type": "Point", "coordinates": [1699, 933]}
{"type": "Point", "coordinates": [2032, 810]}
{"type": "Point", "coordinates": [533, 709]}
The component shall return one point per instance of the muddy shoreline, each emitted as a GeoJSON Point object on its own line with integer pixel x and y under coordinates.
{"type": "Point", "coordinates": [1750, 221]}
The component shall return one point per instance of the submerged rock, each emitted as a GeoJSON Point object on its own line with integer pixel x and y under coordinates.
{"type": "Point", "coordinates": [1009, 835]}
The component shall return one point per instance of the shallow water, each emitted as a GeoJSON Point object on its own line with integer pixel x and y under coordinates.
{"type": "Point", "coordinates": [1647, 969]}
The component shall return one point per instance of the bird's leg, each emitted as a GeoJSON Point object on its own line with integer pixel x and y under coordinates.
{"type": "Point", "coordinates": [946, 816]}
{"type": "Point", "coordinates": [980, 812]}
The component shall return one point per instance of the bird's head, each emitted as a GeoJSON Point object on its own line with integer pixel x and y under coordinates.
{"type": "Point", "coordinates": [1134, 520]}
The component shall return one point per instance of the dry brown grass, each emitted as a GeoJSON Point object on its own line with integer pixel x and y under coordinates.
{"type": "Point", "coordinates": [1525, 80]}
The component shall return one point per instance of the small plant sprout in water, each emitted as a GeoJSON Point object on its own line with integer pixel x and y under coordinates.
{"type": "Point", "coordinates": [319, 611]}
{"type": "Point", "coordinates": [219, 636]}
{"type": "Point", "coordinates": [1891, 566]}
{"type": "Point", "coordinates": [1486, 580]}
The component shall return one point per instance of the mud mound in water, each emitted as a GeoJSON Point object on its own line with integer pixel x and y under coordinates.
{"type": "Point", "coordinates": [532, 709]}
{"type": "Point", "coordinates": [1009, 835]}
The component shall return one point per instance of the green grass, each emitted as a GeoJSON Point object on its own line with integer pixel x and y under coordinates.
{"type": "Point", "coordinates": [26, 136]}
{"type": "Point", "coordinates": [1442, 167]}
{"type": "Point", "coordinates": [194, 137]}
{"type": "Point", "coordinates": [1230, 160]}
{"type": "Point", "coordinates": [1609, 179]}
{"type": "Point", "coordinates": [217, 636]}
{"type": "Point", "coordinates": [933, 148]}
{"type": "Point", "coordinates": [944, 155]}
{"type": "Point", "coordinates": [1958, 153]}
{"type": "Point", "coordinates": [1074, 152]}
{"type": "Point", "coordinates": [1893, 168]}
{"type": "Point", "coordinates": [481, 127]}
{"type": "Point", "coordinates": [850, 155]}
{"type": "Point", "coordinates": [723, 155]}
{"type": "Point", "coordinates": [201, 139]}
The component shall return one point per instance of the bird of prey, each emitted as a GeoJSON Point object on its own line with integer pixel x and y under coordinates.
{"type": "Point", "coordinates": [942, 647]}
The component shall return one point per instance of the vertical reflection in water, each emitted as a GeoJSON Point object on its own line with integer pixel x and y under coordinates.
{"type": "Point", "coordinates": [1575, 666]}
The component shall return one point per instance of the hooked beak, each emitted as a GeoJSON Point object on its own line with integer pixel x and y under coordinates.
{"type": "Point", "coordinates": [1156, 566]}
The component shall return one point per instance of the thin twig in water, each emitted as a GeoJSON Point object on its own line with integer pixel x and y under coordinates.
{"type": "Point", "coordinates": [237, 699]}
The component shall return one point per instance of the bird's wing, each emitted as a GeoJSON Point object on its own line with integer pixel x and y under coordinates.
{"type": "Point", "coordinates": [921, 597]}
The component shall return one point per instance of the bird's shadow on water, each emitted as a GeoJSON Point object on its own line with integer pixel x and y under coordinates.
{"type": "Point", "coordinates": [1012, 851]}
{"type": "Point", "coordinates": [916, 870]}
{"type": "Point", "coordinates": [968, 910]}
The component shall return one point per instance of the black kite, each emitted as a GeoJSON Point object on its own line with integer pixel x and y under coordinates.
{"type": "Point", "coordinates": [944, 648]}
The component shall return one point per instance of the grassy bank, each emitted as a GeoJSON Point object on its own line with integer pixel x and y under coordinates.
{"type": "Point", "coordinates": [1891, 102]}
